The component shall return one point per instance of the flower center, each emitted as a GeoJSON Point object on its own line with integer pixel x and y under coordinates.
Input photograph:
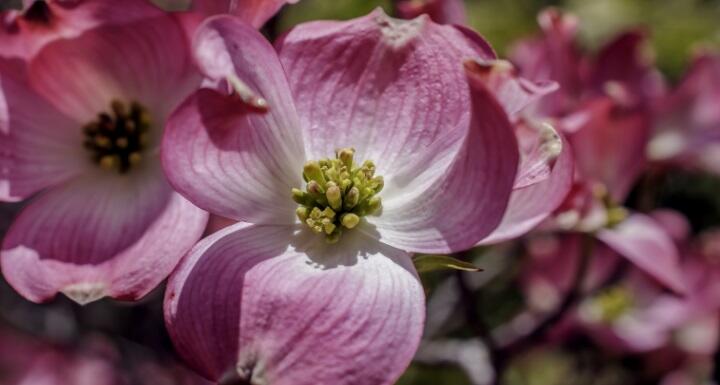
{"type": "Point", "coordinates": [116, 140]}
{"type": "Point", "coordinates": [339, 192]}
{"type": "Point", "coordinates": [613, 303]}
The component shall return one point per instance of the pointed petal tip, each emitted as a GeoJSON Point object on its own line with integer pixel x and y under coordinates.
{"type": "Point", "coordinates": [85, 292]}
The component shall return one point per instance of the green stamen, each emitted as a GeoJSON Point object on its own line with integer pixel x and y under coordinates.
{"type": "Point", "coordinates": [338, 194]}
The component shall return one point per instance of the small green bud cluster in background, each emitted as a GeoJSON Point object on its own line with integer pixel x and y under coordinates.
{"type": "Point", "coordinates": [338, 193]}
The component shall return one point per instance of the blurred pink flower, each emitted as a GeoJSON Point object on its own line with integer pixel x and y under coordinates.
{"type": "Point", "coordinates": [268, 299]}
{"type": "Point", "coordinates": [687, 127]}
{"type": "Point", "coordinates": [80, 126]}
{"type": "Point", "coordinates": [253, 12]}
{"type": "Point", "coordinates": [24, 32]}
{"type": "Point", "coordinates": [440, 11]}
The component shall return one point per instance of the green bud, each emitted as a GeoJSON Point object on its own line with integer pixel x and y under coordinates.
{"type": "Point", "coordinates": [349, 220]}
{"type": "Point", "coordinates": [351, 198]}
{"type": "Point", "coordinates": [334, 197]}
{"type": "Point", "coordinates": [313, 171]}
{"type": "Point", "coordinates": [346, 157]}
{"type": "Point", "coordinates": [302, 213]}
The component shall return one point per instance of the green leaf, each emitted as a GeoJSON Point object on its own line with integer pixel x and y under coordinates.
{"type": "Point", "coordinates": [427, 263]}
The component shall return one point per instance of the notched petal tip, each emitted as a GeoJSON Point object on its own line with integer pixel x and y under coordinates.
{"type": "Point", "coordinates": [85, 292]}
{"type": "Point", "coordinates": [398, 33]}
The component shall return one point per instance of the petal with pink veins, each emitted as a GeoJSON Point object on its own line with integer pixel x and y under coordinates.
{"type": "Point", "coordinates": [100, 235]}
{"type": "Point", "coordinates": [392, 89]}
{"type": "Point", "coordinates": [642, 241]}
{"type": "Point", "coordinates": [227, 156]}
{"type": "Point", "coordinates": [271, 304]}
{"type": "Point", "coordinates": [39, 146]}
{"type": "Point", "coordinates": [145, 61]}
{"type": "Point", "coordinates": [451, 207]}
{"type": "Point", "coordinates": [544, 180]}
{"type": "Point", "coordinates": [253, 12]}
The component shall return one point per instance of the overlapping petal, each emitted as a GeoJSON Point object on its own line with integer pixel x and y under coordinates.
{"type": "Point", "coordinates": [269, 304]}
{"type": "Point", "coordinates": [42, 22]}
{"type": "Point", "coordinates": [544, 180]}
{"type": "Point", "coordinates": [466, 200]}
{"type": "Point", "coordinates": [253, 12]}
{"type": "Point", "coordinates": [228, 155]}
{"type": "Point", "coordinates": [145, 62]}
{"type": "Point", "coordinates": [100, 235]}
{"type": "Point", "coordinates": [610, 146]}
{"type": "Point", "coordinates": [649, 247]}
{"type": "Point", "coordinates": [38, 145]}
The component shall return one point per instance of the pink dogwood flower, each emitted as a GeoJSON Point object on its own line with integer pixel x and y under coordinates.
{"type": "Point", "coordinates": [254, 12]}
{"type": "Point", "coordinates": [604, 108]}
{"type": "Point", "coordinates": [24, 32]}
{"type": "Point", "coordinates": [80, 126]}
{"type": "Point", "coordinates": [364, 142]}
{"type": "Point", "coordinates": [687, 127]}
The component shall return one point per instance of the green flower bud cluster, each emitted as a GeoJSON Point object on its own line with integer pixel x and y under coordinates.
{"type": "Point", "coordinates": [338, 194]}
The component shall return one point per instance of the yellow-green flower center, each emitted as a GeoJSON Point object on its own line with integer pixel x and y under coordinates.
{"type": "Point", "coordinates": [117, 139]}
{"type": "Point", "coordinates": [339, 192]}
{"type": "Point", "coordinates": [613, 303]}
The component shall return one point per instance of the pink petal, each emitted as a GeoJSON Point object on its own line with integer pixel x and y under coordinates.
{"type": "Point", "coordinates": [254, 12]}
{"type": "Point", "coordinates": [392, 89]}
{"type": "Point", "coordinates": [39, 147]}
{"type": "Point", "coordinates": [536, 194]}
{"type": "Point", "coordinates": [145, 61]}
{"type": "Point", "coordinates": [23, 37]}
{"type": "Point", "coordinates": [227, 156]}
{"type": "Point", "coordinates": [464, 202]}
{"type": "Point", "coordinates": [553, 57]}
{"type": "Point", "coordinates": [649, 247]}
{"type": "Point", "coordinates": [624, 60]}
{"type": "Point", "coordinates": [513, 92]}
{"type": "Point", "coordinates": [100, 235]}
{"type": "Point", "coordinates": [610, 146]}
{"type": "Point", "coordinates": [270, 305]}
{"type": "Point", "coordinates": [441, 11]}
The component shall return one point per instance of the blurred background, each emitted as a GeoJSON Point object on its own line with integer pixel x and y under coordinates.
{"type": "Point", "coordinates": [127, 343]}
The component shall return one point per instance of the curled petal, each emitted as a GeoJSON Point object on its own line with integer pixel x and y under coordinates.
{"type": "Point", "coordinates": [38, 145]}
{"type": "Point", "coordinates": [224, 154]}
{"type": "Point", "coordinates": [544, 180]}
{"type": "Point", "coordinates": [253, 12]}
{"type": "Point", "coordinates": [441, 11]}
{"type": "Point", "coordinates": [452, 208]}
{"type": "Point", "coordinates": [98, 236]}
{"type": "Point", "coordinates": [513, 92]}
{"type": "Point", "coordinates": [649, 247]}
{"type": "Point", "coordinates": [269, 304]}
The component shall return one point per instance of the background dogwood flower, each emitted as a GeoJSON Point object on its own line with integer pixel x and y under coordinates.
{"type": "Point", "coordinates": [80, 127]}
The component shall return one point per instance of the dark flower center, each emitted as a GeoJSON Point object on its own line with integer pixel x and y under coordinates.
{"type": "Point", "coordinates": [39, 13]}
{"type": "Point", "coordinates": [116, 140]}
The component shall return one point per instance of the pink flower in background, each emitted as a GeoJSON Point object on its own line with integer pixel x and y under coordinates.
{"type": "Point", "coordinates": [315, 284]}
{"type": "Point", "coordinates": [24, 32]}
{"type": "Point", "coordinates": [441, 11]}
{"type": "Point", "coordinates": [80, 127]}
{"type": "Point", "coordinates": [687, 127]}
{"type": "Point", "coordinates": [254, 12]}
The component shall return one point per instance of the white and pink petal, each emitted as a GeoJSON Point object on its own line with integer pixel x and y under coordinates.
{"type": "Point", "coordinates": [269, 304]}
